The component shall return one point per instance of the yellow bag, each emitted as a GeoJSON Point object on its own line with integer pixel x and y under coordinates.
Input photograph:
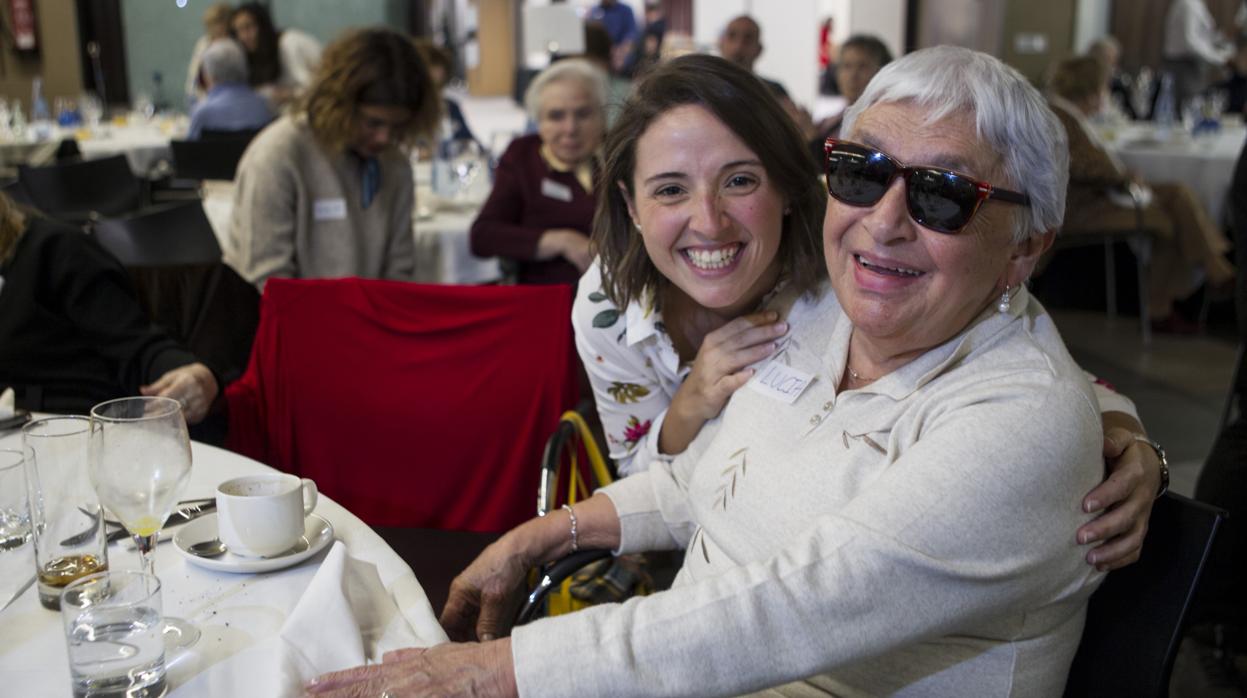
{"type": "Point", "coordinates": [564, 449]}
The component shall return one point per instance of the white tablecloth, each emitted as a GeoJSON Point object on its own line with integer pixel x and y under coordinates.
{"type": "Point", "coordinates": [144, 143]}
{"type": "Point", "coordinates": [263, 634]}
{"type": "Point", "coordinates": [1205, 164]}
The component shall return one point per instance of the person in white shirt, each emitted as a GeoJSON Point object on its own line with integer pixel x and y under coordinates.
{"type": "Point", "coordinates": [1194, 50]}
{"type": "Point", "coordinates": [281, 63]}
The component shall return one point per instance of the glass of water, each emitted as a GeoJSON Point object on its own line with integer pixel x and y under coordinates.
{"type": "Point", "coordinates": [17, 558]}
{"type": "Point", "coordinates": [113, 629]}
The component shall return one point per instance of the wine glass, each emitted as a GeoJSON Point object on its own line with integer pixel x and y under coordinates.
{"type": "Point", "coordinates": [140, 461]}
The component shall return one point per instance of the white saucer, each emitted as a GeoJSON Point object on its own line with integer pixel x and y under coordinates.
{"type": "Point", "coordinates": [317, 534]}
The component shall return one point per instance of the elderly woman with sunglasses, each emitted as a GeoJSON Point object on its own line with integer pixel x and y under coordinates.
{"type": "Point", "coordinates": [890, 511]}
{"type": "Point", "coordinates": [669, 329]}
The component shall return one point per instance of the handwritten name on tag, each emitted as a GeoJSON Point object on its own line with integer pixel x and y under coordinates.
{"type": "Point", "coordinates": [783, 383]}
{"type": "Point", "coordinates": [556, 190]}
{"type": "Point", "coordinates": [329, 209]}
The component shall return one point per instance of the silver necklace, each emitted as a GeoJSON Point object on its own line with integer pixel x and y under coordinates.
{"type": "Point", "coordinates": [857, 376]}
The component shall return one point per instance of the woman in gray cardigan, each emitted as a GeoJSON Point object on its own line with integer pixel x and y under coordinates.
{"type": "Point", "coordinates": [890, 511]}
{"type": "Point", "coordinates": [326, 191]}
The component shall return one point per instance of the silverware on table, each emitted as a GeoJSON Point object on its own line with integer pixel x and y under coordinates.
{"type": "Point", "coordinates": [188, 510]}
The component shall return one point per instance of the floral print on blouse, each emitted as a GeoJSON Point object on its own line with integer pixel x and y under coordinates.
{"type": "Point", "coordinates": [633, 367]}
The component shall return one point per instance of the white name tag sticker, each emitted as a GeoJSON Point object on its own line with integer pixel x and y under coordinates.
{"type": "Point", "coordinates": [556, 190]}
{"type": "Point", "coordinates": [783, 383]}
{"type": "Point", "coordinates": [329, 209]}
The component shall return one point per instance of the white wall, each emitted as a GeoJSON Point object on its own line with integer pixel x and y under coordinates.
{"type": "Point", "coordinates": [883, 18]}
{"type": "Point", "coordinates": [1091, 21]}
{"type": "Point", "coordinates": [839, 9]}
{"type": "Point", "coordinates": [789, 38]}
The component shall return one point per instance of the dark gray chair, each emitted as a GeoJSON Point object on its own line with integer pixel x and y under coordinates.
{"type": "Point", "coordinates": [1139, 240]}
{"type": "Point", "coordinates": [1135, 620]}
{"type": "Point", "coordinates": [214, 157]}
{"type": "Point", "coordinates": [177, 234]}
{"type": "Point", "coordinates": [79, 191]}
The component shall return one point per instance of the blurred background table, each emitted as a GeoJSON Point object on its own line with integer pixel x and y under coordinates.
{"type": "Point", "coordinates": [1204, 163]}
{"type": "Point", "coordinates": [144, 142]}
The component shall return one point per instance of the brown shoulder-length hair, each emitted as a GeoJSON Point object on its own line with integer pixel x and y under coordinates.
{"type": "Point", "coordinates": [375, 67]}
{"type": "Point", "coordinates": [747, 107]}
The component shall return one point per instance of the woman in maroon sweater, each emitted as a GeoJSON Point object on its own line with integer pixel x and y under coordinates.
{"type": "Point", "coordinates": [541, 208]}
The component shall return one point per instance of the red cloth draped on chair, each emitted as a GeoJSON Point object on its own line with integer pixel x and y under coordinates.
{"type": "Point", "coordinates": [411, 405]}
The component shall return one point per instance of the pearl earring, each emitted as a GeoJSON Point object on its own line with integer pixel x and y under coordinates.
{"type": "Point", "coordinates": [1005, 298]}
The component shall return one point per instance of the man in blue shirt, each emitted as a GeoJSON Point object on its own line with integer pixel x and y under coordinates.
{"type": "Point", "coordinates": [231, 104]}
{"type": "Point", "coordinates": [620, 23]}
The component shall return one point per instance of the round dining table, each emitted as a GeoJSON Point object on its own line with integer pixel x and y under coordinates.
{"type": "Point", "coordinates": [263, 634]}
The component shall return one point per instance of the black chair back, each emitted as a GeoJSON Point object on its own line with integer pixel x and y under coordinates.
{"type": "Point", "coordinates": [178, 234]}
{"type": "Point", "coordinates": [210, 158]}
{"type": "Point", "coordinates": [1135, 619]}
{"type": "Point", "coordinates": [16, 192]}
{"type": "Point", "coordinates": [245, 135]}
{"type": "Point", "coordinates": [80, 190]}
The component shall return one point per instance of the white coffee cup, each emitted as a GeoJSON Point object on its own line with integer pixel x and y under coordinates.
{"type": "Point", "coordinates": [263, 515]}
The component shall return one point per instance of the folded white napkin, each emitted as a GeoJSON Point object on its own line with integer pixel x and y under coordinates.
{"type": "Point", "coordinates": [7, 400]}
{"type": "Point", "coordinates": [345, 617]}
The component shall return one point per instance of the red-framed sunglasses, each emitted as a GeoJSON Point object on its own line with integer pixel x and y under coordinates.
{"type": "Point", "coordinates": [939, 199]}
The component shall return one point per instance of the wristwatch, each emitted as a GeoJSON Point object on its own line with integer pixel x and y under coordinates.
{"type": "Point", "coordinates": [1164, 462]}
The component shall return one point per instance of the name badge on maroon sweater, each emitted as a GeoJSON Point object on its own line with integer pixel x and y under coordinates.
{"type": "Point", "coordinates": [556, 190]}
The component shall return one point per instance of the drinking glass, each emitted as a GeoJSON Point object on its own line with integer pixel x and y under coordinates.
{"type": "Point", "coordinates": [17, 564]}
{"type": "Point", "coordinates": [92, 110]}
{"type": "Point", "coordinates": [65, 512]}
{"type": "Point", "coordinates": [140, 463]}
{"type": "Point", "coordinates": [113, 630]}
{"type": "Point", "coordinates": [466, 160]}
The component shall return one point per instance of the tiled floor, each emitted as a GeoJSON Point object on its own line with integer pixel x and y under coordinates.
{"type": "Point", "coordinates": [1179, 384]}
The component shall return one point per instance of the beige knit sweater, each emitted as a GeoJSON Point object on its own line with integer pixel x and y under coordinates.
{"type": "Point", "coordinates": [298, 213]}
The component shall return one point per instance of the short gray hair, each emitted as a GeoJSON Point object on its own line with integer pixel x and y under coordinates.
{"type": "Point", "coordinates": [1010, 116]}
{"type": "Point", "coordinates": [224, 61]}
{"type": "Point", "coordinates": [576, 69]}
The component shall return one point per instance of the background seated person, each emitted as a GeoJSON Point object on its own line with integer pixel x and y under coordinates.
{"type": "Point", "coordinates": [282, 64]}
{"type": "Point", "coordinates": [231, 104]}
{"type": "Point", "coordinates": [216, 26]}
{"type": "Point", "coordinates": [1185, 240]}
{"type": "Point", "coordinates": [541, 207]}
{"type": "Point", "coordinates": [903, 526]}
{"type": "Point", "coordinates": [861, 56]}
{"type": "Point", "coordinates": [72, 330]}
{"type": "Point", "coordinates": [326, 191]}
{"type": "Point", "coordinates": [441, 63]}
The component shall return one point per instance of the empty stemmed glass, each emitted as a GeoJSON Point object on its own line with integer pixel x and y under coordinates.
{"type": "Point", "coordinates": [140, 461]}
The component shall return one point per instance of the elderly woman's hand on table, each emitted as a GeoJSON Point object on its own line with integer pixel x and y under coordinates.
{"type": "Point", "coordinates": [452, 669]}
{"type": "Point", "coordinates": [193, 385]}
